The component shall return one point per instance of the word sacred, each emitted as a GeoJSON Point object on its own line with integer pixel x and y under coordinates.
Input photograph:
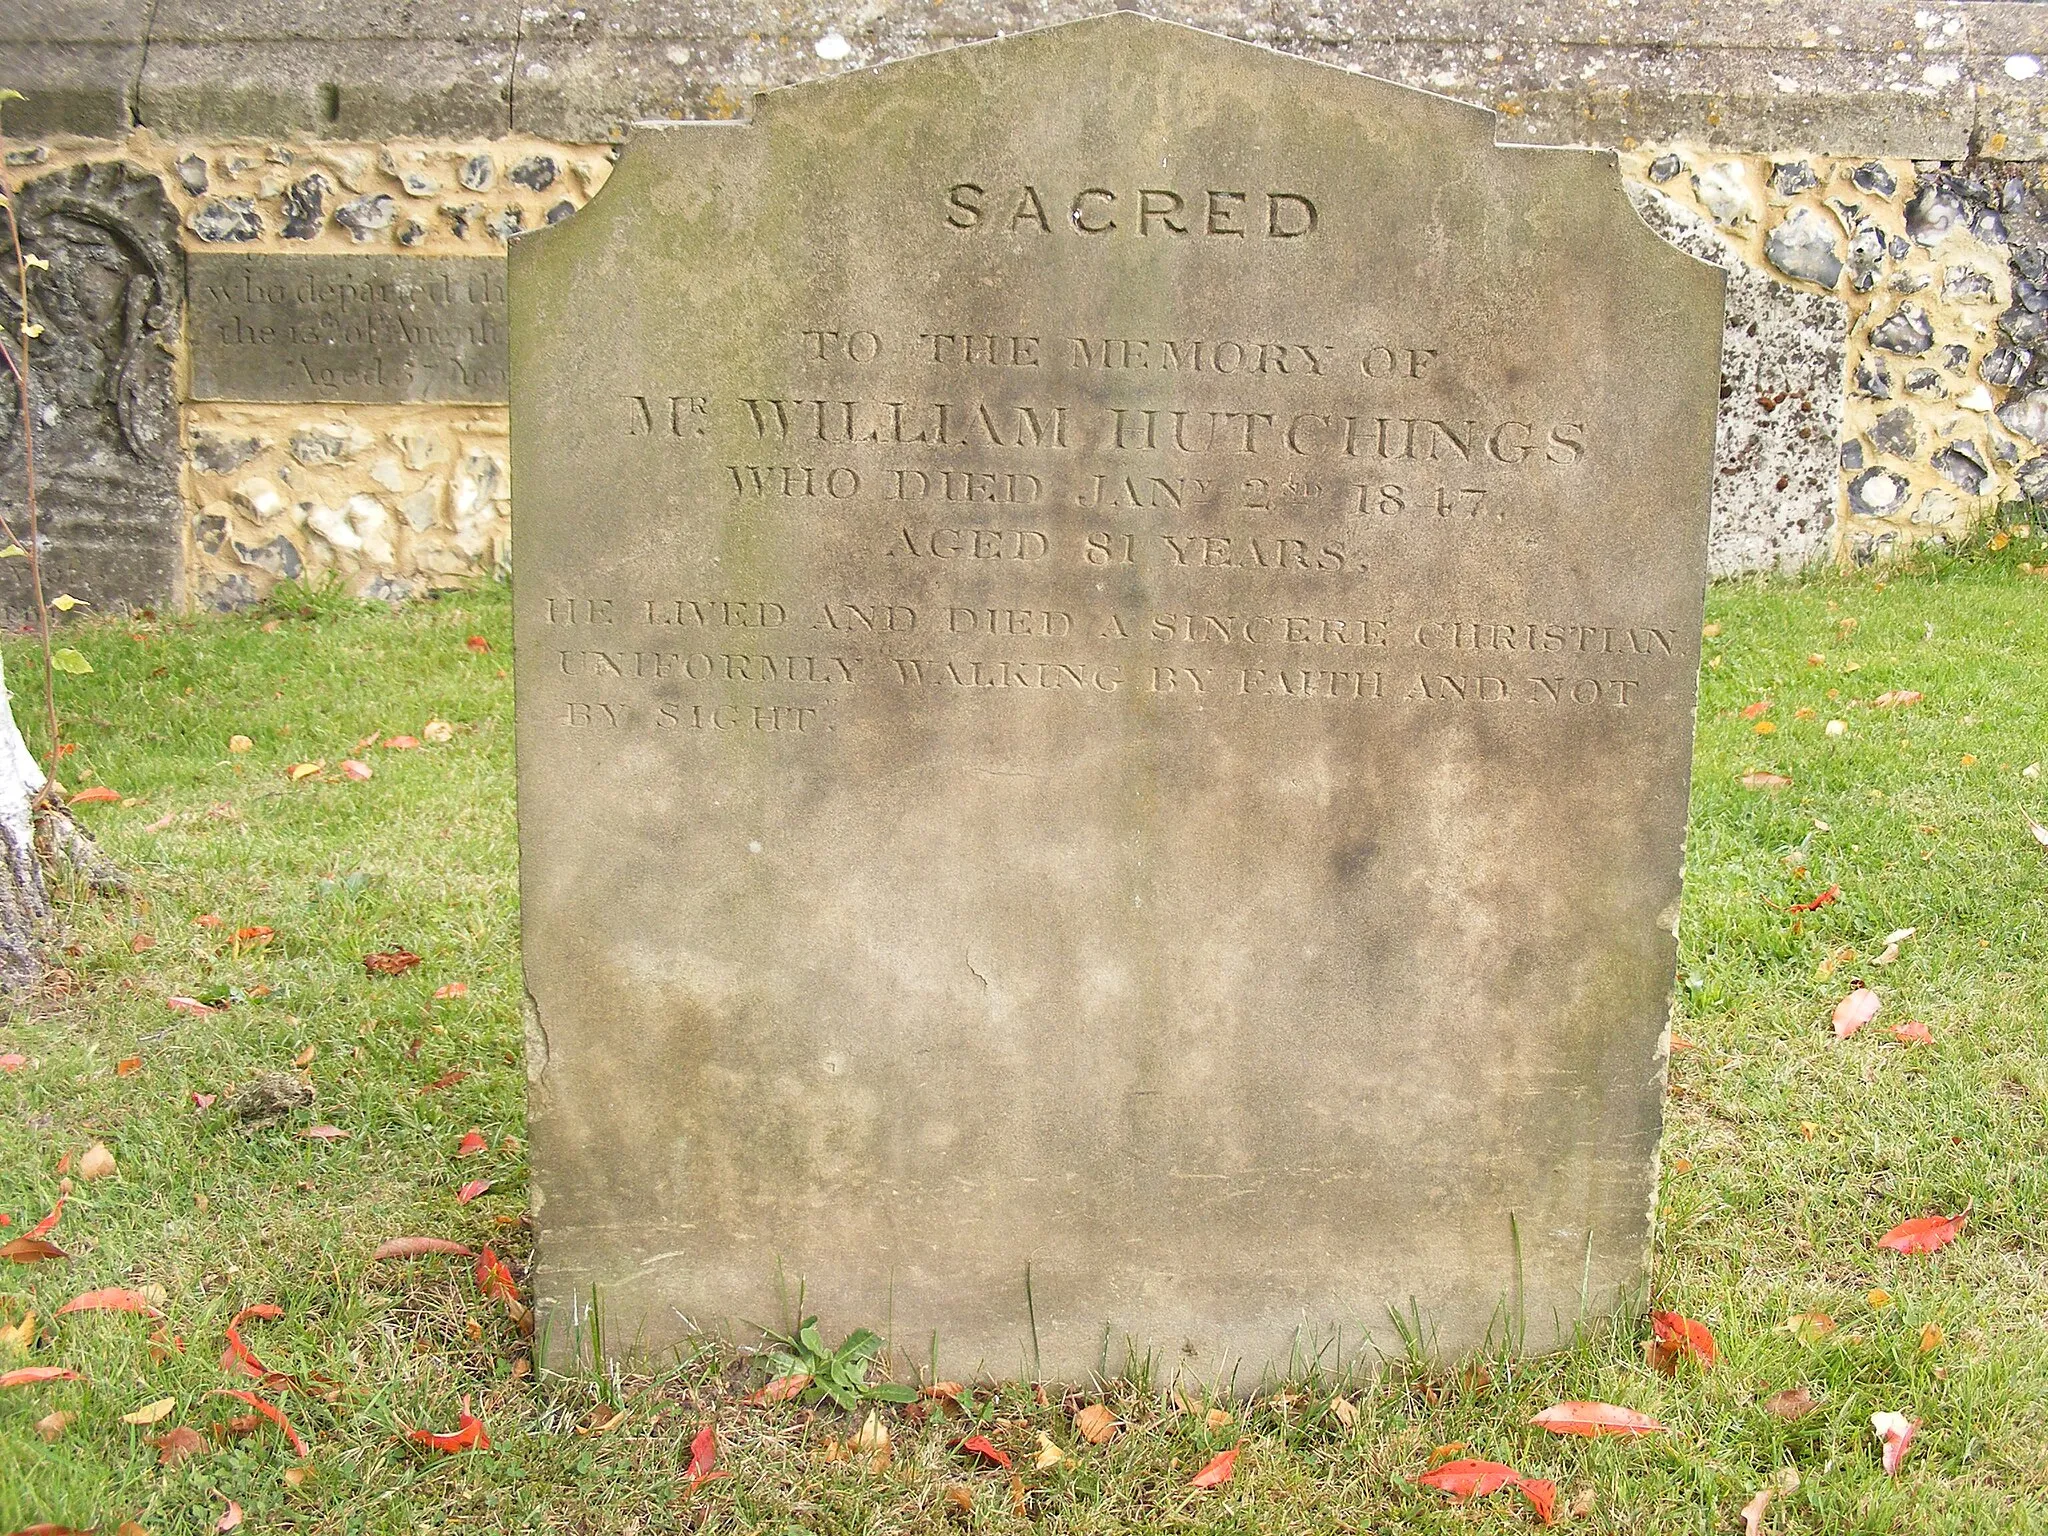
{"type": "Point", "coordinates": [1140, 212]}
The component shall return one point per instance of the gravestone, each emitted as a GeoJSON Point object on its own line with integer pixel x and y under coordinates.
{"type": "Point", "coordinates": [371, 329]}
{"type": "Point", "coordinates": [1107, 628]}
{"type": "Point", "coordinates": [103, 406]}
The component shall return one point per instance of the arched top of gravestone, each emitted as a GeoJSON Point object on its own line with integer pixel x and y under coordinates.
{"type": "Point", "coordinates": [1063, 93]}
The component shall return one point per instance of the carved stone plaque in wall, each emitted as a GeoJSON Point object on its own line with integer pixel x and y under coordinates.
{"type": "Point", "coordinates": [103, 401]}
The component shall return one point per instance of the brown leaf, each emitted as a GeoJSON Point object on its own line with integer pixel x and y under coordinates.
{"type": "Point", "coordinates": [27, 1250]}
{"type": "Point", "coordinates": [97, 1163]}
{"type": "Point", "coordinates": [961, 1497]}
{"type": "Point", "coordinates": [51, 1425]}
{"type": "Point", "coordinates": [1771, 782]}
{"type": "Point", "coordinates": [1095, 1424]}
{"type": "Point", "coordinates": [414, 1247]}
{"type": "Point", "coordinates": [779, 1390]}
{"type": "Point", "coordinates": [1792, 1403]}
{"type": "Point", "coordinates": [390, 962]}
{"type": "Point", "coordinates": [141, 942]}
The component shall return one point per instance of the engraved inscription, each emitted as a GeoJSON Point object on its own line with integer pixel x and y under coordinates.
{"type": "Point", "coordinates": [354, 328]}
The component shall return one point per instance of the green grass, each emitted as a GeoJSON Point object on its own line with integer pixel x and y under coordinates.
{"type": "Point", "coordinates": [1788, 1152]}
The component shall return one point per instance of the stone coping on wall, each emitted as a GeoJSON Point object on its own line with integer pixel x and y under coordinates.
{"type": "Point", "coordinates": [1942, 81]}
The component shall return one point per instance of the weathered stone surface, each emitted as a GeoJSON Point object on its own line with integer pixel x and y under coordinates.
{"type": "Point", "coordinates": [105, 416]}
{"type": "Point", "coordinates": [1782, 360]}
{"type": "Point", "coordinates": [362, 328]}
{"type": "Point", "coordinates": [1196, 869]}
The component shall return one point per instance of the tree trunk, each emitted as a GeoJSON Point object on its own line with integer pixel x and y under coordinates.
{"type": "Point", "coordinates": [24, 898]}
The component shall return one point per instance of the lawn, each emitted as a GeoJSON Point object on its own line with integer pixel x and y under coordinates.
{"type": "Point", "coordinates": [256, 896]}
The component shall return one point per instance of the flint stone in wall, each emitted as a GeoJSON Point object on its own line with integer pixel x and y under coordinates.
{"type": "Point", "coordinates": [1803, 246]}
{"type": "Point", "coordinates": [106, 419]}
{"type": "Point", "coordinates": [1777, 452]}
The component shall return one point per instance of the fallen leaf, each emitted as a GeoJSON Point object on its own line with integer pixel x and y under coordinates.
{"type": "Point", "coordinates": [1855, 1011]}
{"type": "Point", "coordinates": [1542, 1496]}
{"type": "Point", "coordinates": [204, 1101]}
{"type": "Point", "coordinates": [1751, 711]}
{"type": "Point", "coordinates": [1049, 1455]}
{"type": "Point", "coordinates": [12, 1061]}
{"type": "Point", "coordinates": [180, 1444]}
{"type": "Point", "coordinates": [325, 1133]}
{"type": "Point", "coordinates": [1216, 1419]}
{"type": "Point", "coordinates": [1753, 1512]}
{"type": "Point", "coordinates": [1792, 1403]}
{"type": "Point", "coordinates": [1773, 782]}
{"type": "Point", "coordinates": [704, 1457]}
{"type": "Point", "coordinates": [44, 1227]}
{"type": "Point", "coordinates": [1877, 1298]}
{"type": "Point", "coordinates": [472, 1143]}
{"type": "Point", "coordinates": [779, 1390]}
{"type": "Point", "coordinates": [2040, 832]}
{"type": "Point", "coordinates": [1931, 1338]}
{"type": "Point", "coordinates": [1217, 1473]}
{"type": "Point", "coordinates": [150, 1413]}
{"type": "Point", "coordinates": [1831, 894]}
{"type": "Point", "coordinates": [35, 1375]}
{"type": "Point", "coordinates": [188, 1005]}
{"type": "Point", "coordinates": [979, 1445]}
{"type": "Point", "coordinates": [471, 1190]}
{"type": "Point", "coordinates": [255, 934]}
{"type": "Point", "coordinates": [269, 1410]}
{"type": "Point", "coordinates": [1095, 1424]}
{"type": "Point", "coordinates": [494, 1277]}
{"type": "Point", "coordinates": [127, 1066]}
{"type": "Point", "coordinates": [1673, 1337]}
{"type": "Point", "coordinates": [1595, 1419]}
{"type": "Point", "coordinates": [237, 1356]}
{"type": "Point", "coordinates": [872, 1436]}
{"type": "Point", "coordinates": [357, 770]}
{"type": "Point", "coordinates": [438, 731]}
{"type": "Point", "coordinates": [28, 1250]}
{"type": "Point", "coordinates": [209, 920]}
{"type": "Point", "coordinates": [1464, 1480]}
{"type": "Point", "coordinates": [1809, 1326]}
{"type": "Point", "coordinates": [1897, 698]}
{"type": "Point", "coordinates": [51, 1425]}
{"type": "Point", "coordinates": [452, 989]}
{"type": "Point", "coordinates": [112, 1299]}
{"type": "Point", "coordinates": [1895, 1432]}
{"type": "Point", "coordinates": [390, 962]}
{"type": "Point", "coordinates": [1924, 1234]}
{"type": "Point", "coordinates": [1344, 1412]}
{"type": "Point", "coordinates": [97, 1163]}
{"type": "Point", "coordinates": [1912, 1032]}
{"type": "Point", "coordinates": [466, 1436]}
{"type": "Point", "coordinates": [446, 1080]}
{"type": "Point", "coordinates": [299, 771]}
{"type": "Point", "coordinates": [231, 1519]}
{"type": "Point", "coordinates": [239, 744]}
{"type": "Point", "coordinates": [99, 794]}
{"type": "Point", "coordinates": [401, 743]}
{"type": "Point", "coordinates": [478, 644]}
{"type": "Point", "coordinates": [961, 1497]}
{"type": "Point", "coordinates": [415, 1247]}
{"type": "Point", "coordinates": [19, 1336]}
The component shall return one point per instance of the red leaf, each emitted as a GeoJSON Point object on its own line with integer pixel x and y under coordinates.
{"type": "Point", "coordinates": [467, 1435]}
{"type": "Point", "coordinates": [401, 743]}
{"type": "Point", "coordinates": [42, 1228]}
{"type": "Point", "coordinates": [325, 1133]}
{"type": "Point", "coordinates": [231, 1519]}
{"type": "Point", "coordinates": [1822, 900]}
{"type": "Point", "coordinates": [13, 1061]}
{"type": "Point", "coordinates": [471, 1190]}
{"type": "Point", "coordinates": [1855, 1011]}
{"type": "Point", "coordinates": [238, 1356]}
{"type": "Point", "coordinates": [1542, 1496]}
{"type": "Point", "coordinates": [779, 1390]}
{"type": "Point", "coordinates": [978, 1445]}
{"type": "Point", "coordinates": [414, 1247]}
{"type": "Point", "coordinates": [390, 962]}
{"type": "Point", "coordinates": [257, 934]}
{"type": "Point", "coordinates": [1896, 1431]}
{"type": "Point", "coordinates": [494, 1277]}
{"type": "Point", "coordinates": [1912, 1032]}
{"type": "Point", "coordinates": [471, 1144]}
{"type": "Point", "coordinates": [27, 1250]}
{"type": "Point", "coordinates": [452, 989]}
{"type": "Point", "coordinates": [1924, 1234]}
{"type": "Point", "coordinates": [703, 1458]}
{"type": "Point", "coordinates": [269, 1410]}
{"type": "Point", "coordinates": [1217, 1473]}
{"type": "Point", "coordinates": [210, 920]}
{"type": "Point", "coordinates": [1751, 711]}
{"type": "Point", "coordinates": [1683, 1336]}
{"type": "Point", "coordinates": [445, 1080]}
{"type": "Point", "coordinates": [99, 794]}
{"type": "Point", "coordinates": [204, 1101]}
{"type": "Point", "coordinates": [1595, 1419]}
{"type": "Point", "coordinates": [188, 1005]}
{"type": "Point", "coordinates": [112, 1299]}
{"type": "Point", "coordinates": [30, 1375]}
{"type": "Point", "coordinates": [478, 644]}
{"type": "Point", "coordinates": [127, 1066]}
{"type": "Point", "coordinates": [1464, 1480]}
{"type": "Point", "coordinates": [356, 769]}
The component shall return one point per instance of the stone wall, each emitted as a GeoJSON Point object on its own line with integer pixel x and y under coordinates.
{"type": "Point", "coordinates": [1872, 177]}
